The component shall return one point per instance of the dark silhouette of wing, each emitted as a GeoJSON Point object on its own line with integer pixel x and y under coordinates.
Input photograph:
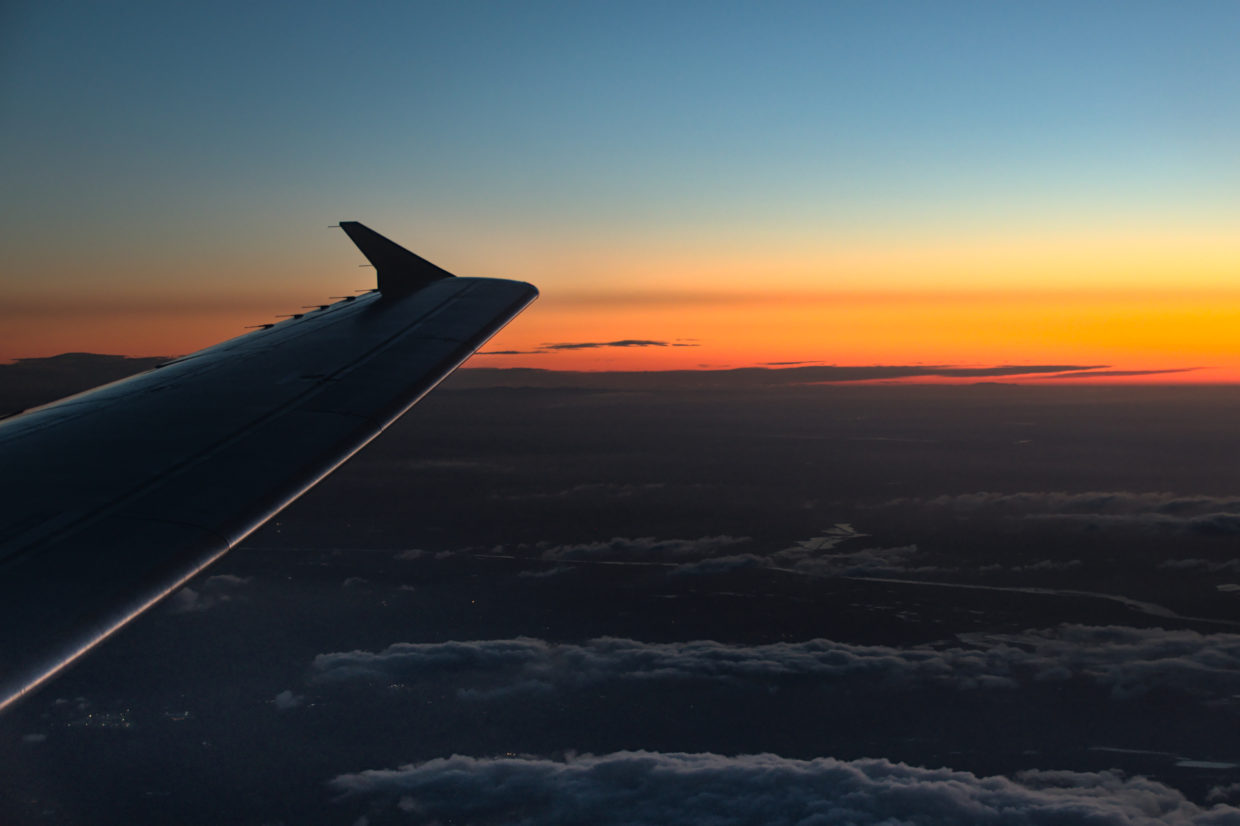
{"type": "Point", "coordinates": [111, 499]}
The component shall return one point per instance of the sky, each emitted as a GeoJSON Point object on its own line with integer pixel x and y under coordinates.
{"type": "Point", "coordinates": [848, 183]}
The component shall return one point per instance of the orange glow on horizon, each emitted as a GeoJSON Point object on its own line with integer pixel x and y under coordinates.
{"type": "Point", "coordinates": [1130, 333]}
{"type": "Point", "coordinates": [1186, 329]}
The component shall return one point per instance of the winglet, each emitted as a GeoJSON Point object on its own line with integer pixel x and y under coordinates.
{"type": "Point", "coordinates": [400, 271]}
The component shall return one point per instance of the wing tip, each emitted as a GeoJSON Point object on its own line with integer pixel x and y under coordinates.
{"type": "Point", "coordinates": [399, 270]}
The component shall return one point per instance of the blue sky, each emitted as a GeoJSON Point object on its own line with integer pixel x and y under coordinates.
{"type": "Point", "coordinates": [595, 110]}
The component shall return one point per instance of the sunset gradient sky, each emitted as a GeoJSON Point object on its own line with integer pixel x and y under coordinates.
{"type": "Point", "coordinates": [706, 183]}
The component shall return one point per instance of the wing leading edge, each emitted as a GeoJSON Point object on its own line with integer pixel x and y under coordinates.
{"type": "Point", "coordinates": [115, 498]}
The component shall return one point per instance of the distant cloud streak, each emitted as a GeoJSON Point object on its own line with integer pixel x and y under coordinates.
{"type": "Point", "coordinates": [628, 342]}
{"type": "Point", "coordinates": [1207, 515]}
{"type": "Point", "coordinates": [552, 347]}
{"type": "Point", "coordinates": [748, 378]}
{"type": "Point", "coordinates": [1086, 502]}
{"type": "Point", "coordinates": [1089, 374]}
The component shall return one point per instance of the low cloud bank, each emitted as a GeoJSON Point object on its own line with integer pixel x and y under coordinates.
{"type": "Point", "coordinates": [642, 787]}
{"type": "Point", "coordinates": [1130, 662]}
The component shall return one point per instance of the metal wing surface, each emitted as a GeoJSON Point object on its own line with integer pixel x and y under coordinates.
{"type": "Point", "coordinates": [112, 499]}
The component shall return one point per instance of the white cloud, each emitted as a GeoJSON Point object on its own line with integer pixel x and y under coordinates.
{"type": "Point", "coordinates": [210, 592]}
{"type": "Point", "coordinates": [187, 600]}
{"type": "Point", "coordinates": [655, 788]}
{"type": "Point", "coordinates": [721, 565]}
{"type": "Point", "coordinates": [411, 553]}
{"type": "Point", "coordinates": [1129, 661]}
{"type": "Point", "coordinates": [221, 581]}
{"type": "Point", "coordinates": [287, 699]}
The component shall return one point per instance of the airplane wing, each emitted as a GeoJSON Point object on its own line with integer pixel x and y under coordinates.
{"type": "Point", "coordinates": [111, 499]}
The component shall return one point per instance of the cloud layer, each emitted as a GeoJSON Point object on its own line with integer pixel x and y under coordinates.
{"type": "Point", "coordinates": [1130, 662]}
{"type": "Point", "coordinates": [1204, 515]}
{"type": "Point", "coordinates": [642, 787]}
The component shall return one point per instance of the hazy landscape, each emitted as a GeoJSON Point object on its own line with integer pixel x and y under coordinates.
{"type": "Point", "coordinates": [591, 600]}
